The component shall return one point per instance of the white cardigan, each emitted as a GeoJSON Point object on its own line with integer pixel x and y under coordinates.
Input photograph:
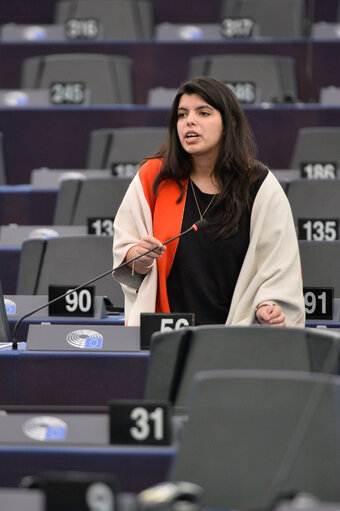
{"type": "Point", "coordinates": [271, 269]}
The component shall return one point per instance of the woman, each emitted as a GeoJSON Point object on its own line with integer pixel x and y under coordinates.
{"type": "Point", "coordinates": [244, 267]}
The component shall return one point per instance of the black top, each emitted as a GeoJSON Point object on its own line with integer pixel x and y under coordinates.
{"type": "Point", "coordinates": [204, 272]}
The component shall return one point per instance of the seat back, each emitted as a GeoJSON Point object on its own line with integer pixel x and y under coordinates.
{"type": "Point", "coordinates": [117, 19]}
{"type": "Point", "coordinates": [122, 149]}
{"type": "Point", "coordinates": [108, 78]}
{"type": "Point", "coordinates": [316, 145]}
{"type": "Point", "coordinates": [312, 200]}
{"type": "Point", "coordinates": [255, 435]}
{"type": "Point", "coordinates": [320, 264]}
{"type": "Point", "coordinates": [68, 261]}
{"type": "Point", "coordinates": [177, 356]}
{"type": "Point", "coordinates": [274, 18]}
{"type": "Point", "coordinates": [79, 200]}
{"type": "Point", "coordinates": [253, 78]}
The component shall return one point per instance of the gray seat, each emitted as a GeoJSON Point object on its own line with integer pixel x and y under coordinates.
{"type": "Point", "coordinates": [320, 264]}
{"type": "Point", "coordinates": [78, 199]}
{"type": "Point", "coordinates": [67, 261]}
{"type": "Point", "coordinates": [178, 355]}
{"type": "Point", "coordinates": [313, 200]}
{"type": "Point", "coordinates": [255, 435]}
{"type": "Point", "coordinates": [117, 19]}
{"type": "Point", "coordinates": [70, 77]}
{"type": "Point", "coordinates": [316, 145]}
{"type": "Point", "coordinates": [273, 18]}
{"type": "Point", "coordinates": [253, 78]}
{"type": "Point", "coordinates": [122, 149]}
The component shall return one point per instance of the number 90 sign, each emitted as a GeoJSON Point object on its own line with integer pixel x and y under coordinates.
{"type": "Point", "coordinates": [75, 303]}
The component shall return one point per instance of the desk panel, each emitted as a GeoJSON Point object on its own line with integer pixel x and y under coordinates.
{"type": "Point", "coordinates": [59, 136]}
{"type": "Point", "coordinates": [36, 378]}
{"type": "Point", "coordinates": [7, 378]}
{"type": "Point", "coordinates": [176, 11]}
{"type": "Point", "coordinates": [135, 468]}
{"type": "Point", "coordinates": [9, 267]}
{"type": "Point", "coordinates": [25, 205]}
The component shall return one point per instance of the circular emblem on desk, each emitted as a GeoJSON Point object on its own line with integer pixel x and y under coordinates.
{"type": "Point", "coordinates": [85, 339]}
{"type": "Point", "coordinates": [45, 428]}
{"type": "Point", "coordinates": [10, 306]}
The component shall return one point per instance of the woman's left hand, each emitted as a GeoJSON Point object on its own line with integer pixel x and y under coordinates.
{"type": "Point", "coordinates": [271, 315]}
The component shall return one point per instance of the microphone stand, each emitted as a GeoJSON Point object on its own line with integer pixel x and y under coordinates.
{"type": "Point", "coordinates": [199, 224]}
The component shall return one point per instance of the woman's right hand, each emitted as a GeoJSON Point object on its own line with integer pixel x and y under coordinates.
{"type": "Point", "coordinates": [144, 264]}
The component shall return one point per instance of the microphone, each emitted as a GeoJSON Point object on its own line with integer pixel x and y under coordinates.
{"type": "Point", "coordinates": [200, 224]}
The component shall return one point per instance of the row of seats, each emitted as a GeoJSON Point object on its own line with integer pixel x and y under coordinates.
{"type": "Point", "coordinates": [128, 19]}
{"type": "Point", "coordinates": [73, 79]}
{"type": "Point", "coordinates": [261, 404]}
{"type": "Point", "coordinates": [56, 260]}
{"type": "Point", "coordinates": [316, 155]}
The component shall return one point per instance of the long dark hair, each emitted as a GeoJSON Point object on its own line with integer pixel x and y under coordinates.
{"type": "Point", "coordinates": [236, 168]}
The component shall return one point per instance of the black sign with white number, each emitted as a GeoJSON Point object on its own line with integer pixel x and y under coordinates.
{"type": "Point", "coordinates": [85, 28]}
{"type": "Point", "coordinates": [69, 93]}
{"type": "Point", "coordinates": [318, 302]}
{"type": "Point", "coordinates": [318, 229]}
{"type": "Point", "coordinates": [318, 170]}
{"type": "Point", "coordinates": [151, 322]}
{"type": "Point", "coordinates": [244, 91]}
{"type": "Point", "coordinates": [237, 27]}
{"type": "Point", "coordinates": [125, 169]}
{"type": "Point", "coordinates": [78, 491]}
{"type": "Point", "coordinates": [139, 422]}
{"type": "Point", "coordinates": [102, 226]}
{"type": "Point", "coordinates": [77, 303]}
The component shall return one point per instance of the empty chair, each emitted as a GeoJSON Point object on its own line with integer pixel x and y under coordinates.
{"type": "Point", "coordinates": [114, 19]}
{"type": "Point", "coordinates": [320, 264]}
{"type": "Point", "coordinates": [79, 200]}
{"type": "Point", "coordinates": [315, 146]}
{"type": "Point", "coordinates": [178, 355]}
{"type": "Point", "coordinates": [70, 78]}
{"type": "Point", "coordinates": [253, 78]}
{"type": "Point", "coordinates": [67, 261]}
{"type": "Point", "coordinates": [253, 436]}
{"type": "Point", "coordinates": [122, 149]}
{"type": "Point", "coordinates": [271, 18]}
{"type": "Point", "coordinates": [316, 208]}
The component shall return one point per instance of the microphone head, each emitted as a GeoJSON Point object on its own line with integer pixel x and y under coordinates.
{"type": "Point", "coordinates": [200, 224]}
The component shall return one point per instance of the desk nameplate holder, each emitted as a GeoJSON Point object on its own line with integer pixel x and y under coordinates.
{"type": "Point", "coordinates": [22, 498]}
{"type": "Point", "coordinates": [83, 338]}
{"type": "Point", "coordinates": [24, 303]}
{"type": "Point", "coordinates": [14, 235]}
{"type": "Point", "coordinates": [54, 429]}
